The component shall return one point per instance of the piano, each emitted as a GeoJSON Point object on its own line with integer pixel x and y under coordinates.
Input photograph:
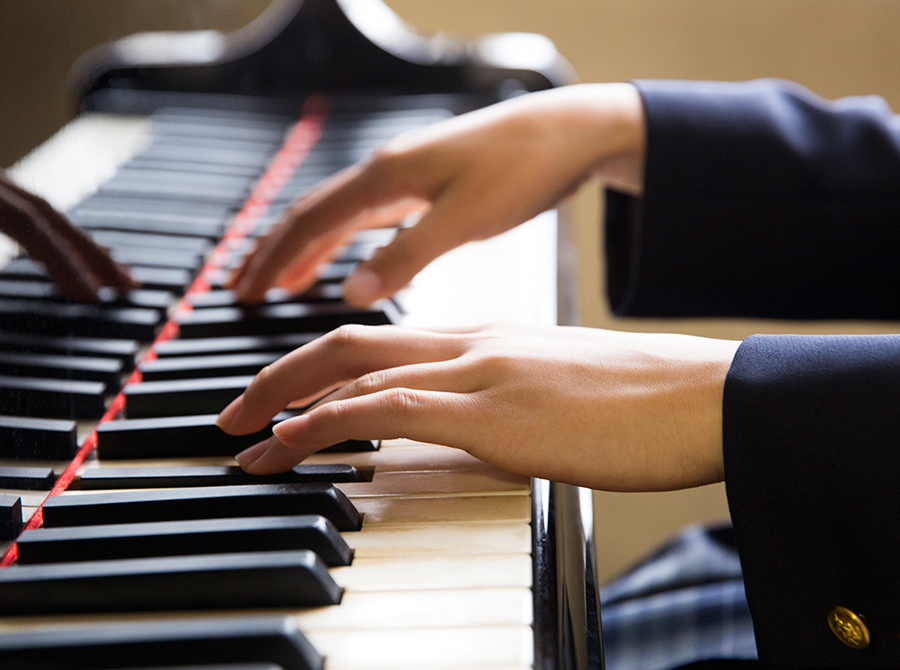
{"type": "Point", "coordinates": [129, 537]}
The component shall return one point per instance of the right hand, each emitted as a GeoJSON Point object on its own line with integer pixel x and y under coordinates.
{"type": "Point", "coordinates": [77, 264]}
{"type": "Point", "coordinates": [470, 178]}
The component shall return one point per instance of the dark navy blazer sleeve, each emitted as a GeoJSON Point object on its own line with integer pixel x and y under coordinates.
{"type": "Point", "coordinates": [764, 200]}
{"type": "Point", "coordinates": [760, 200]}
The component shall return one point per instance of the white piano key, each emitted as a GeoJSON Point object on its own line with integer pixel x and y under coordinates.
{"type": "Point", "coordinates": [422, 609]}
{"type": "Point", "coordinates": [486, 647]}
{"type": "Point", "coordinates": [409, 573]}
{"type": "Point", "coordinates": [426, 539]}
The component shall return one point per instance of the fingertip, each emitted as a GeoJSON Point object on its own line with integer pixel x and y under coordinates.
{"type": "Point", "coordinates": [363, 287]}
{"type": "Point", "coordinates": [228, 416]}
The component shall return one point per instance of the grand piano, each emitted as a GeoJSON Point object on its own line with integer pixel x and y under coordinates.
{"type": "Point", "coordinates": [130, 540]}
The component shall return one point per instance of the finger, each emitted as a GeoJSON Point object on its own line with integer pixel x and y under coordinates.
{"type": "Point", "coordinates": [447, 376]}
{"type": "Point", "coordinates": [340, 356]}
{"type": "Point", "coordinates": [31, 229]}
{"type": "Point", "coordinates": [452, 221]}
{"type": "Point", "coordinates": [424, 416]}
{"type": "Point", "coordinates": [303, 271]}
{"type": "Point", "coordinates": [98, 261]}
{"type": "Point", "coordinates": [334, 205]}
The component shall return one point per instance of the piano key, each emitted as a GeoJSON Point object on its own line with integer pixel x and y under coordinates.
{"type": "Point", "coordinates": [137, 477]}
{"type": "Point", "coordinates": [187, 166]}
{"type": "Point", "coordinates": [244, 344]}
{"type": "Point", "coordinates": [226, 298]}
{"type": "Point", "coordinates": [133, 323]}
{"type": "Point", "coordinates": [10, 516]}
{"type": "Point", "coordinates": [52, 366]}
{"type": "Point", "coordinates": [43, 439]}
{"type": "Point", "coordinates": [133, 174]}
{"type": "Point", "coordinates": [181, 243]}
{"type": "Point", "coordinates": [98, 214]}
{"type": "Point", "coordinates": [274, 319]}
{"type": "Point", "coordinates": [28, 479]}
{"type": "Point", "coordinates": [175, 192]}
{"type": "Point", "coordinates": [180, 397]}
{"type": "Point", "coordinates": [253, 580]}
{"type": "Point", "coordinates": [176, 227]}
{"type": "Point", "coordinates": [225, 640]}
{"type": "Point", "coordinates": [506, 647]}
{"type": "Point", "coordinates": [121, 350]}
{"type": "Point", "coordinates": [141, 207]}
{"type": "Point", "coordinates": [184, 538]}
{"type": "Point", "coordinates": [191, 144]}
{"type": "Point", "coordinates": [157, 259]}
{"type": "Point", "coordinates": [53, 398]}
{"type": "Point", "coordinates": [187, 437]}
{"type": "Point", "coordinates": [217, 502]}
{"type": "Point", "coordinates": [250, 159]}
{"type": "Point", "coordinates": [429, 608]}
{"type": "Point", "coordinates": [192, 367]}
{"type": "Point", "coordinates": [41, 289]}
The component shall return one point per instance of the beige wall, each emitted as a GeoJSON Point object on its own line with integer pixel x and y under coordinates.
{"type": "Point", "coordinates": [836, 47]}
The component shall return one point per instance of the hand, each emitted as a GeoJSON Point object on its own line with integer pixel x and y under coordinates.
{"type": "Point", "coordinates": [469, 178]}
{"type": "Point", "coordinates": [77, 264]}
{"type": "Point", "coordinates": [602, 409]}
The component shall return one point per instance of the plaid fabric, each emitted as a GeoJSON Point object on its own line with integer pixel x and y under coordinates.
{"type": "Point", "coordinates": [684, 603]}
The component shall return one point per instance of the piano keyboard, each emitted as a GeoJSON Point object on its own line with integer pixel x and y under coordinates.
{"type": "Point", "coordinates": [396, 555]}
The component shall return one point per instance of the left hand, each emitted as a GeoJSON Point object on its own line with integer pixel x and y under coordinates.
{"type": "Point", "coordinates": [602, 409]}
{"type": "Point", "coordinates": [77, 264]}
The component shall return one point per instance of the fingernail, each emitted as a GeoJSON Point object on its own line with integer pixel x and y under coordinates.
{"type": "Point", "coordinates": [290, 429]}
{"type": "Point", "coordinates": [251, 454]}
{"type": "Point", "coordinates": [362, 286]}
{"type": "Point", "coordinates": [227, 416]}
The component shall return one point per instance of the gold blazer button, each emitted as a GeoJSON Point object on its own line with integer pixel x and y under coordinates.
{"type": "Point", "coordinates": [849, 627]}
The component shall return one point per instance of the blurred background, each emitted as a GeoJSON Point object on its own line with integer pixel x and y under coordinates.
{"type": "Point", "coordinates": [834, 47]}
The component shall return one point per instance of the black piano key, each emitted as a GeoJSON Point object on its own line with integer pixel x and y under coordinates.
{"type": "Point", "coordinates": [249, 159]}
{"type": "Point", "coordinates": [10, 516]}
{"type": "Point", "coordinates": [133, 323]}
{"type": "Point", "coordinates": [40, 289]}
{"type": "Point", "coordinates": [188, 167]}
{"type": "Point", "coordinates": [191, 143]}
{"type": "Point", "coordinates": [136, 174]}
{"type": "Point", "coordinates": [174, 192]}
{"type": "Point", "coordinates": [179, 243]}
{"type": "Point", "coordinates": [142, 207]}
{"type": "Point", "coordinates": [54, 366]}
{"type": "Point", "coordinates": [216, 502]}
{"type": "Point", "coordinates": [162, 279]}
{"type": "Point", "coordinates": [53, 398]}
{"type": "Point", "coordinates": [169, 644]}
{"type": "Point", "coordinates": [187, 437]}
{"type": "Point", "coordinates": [27, 479]}
{"type": "Point", "coordinates": [124, 351]}
{"type": "Point", "coordinates": [178, 260]}
{"type": "Point", "coordinates": [207, 582]}
{"type": "Point", "coordinates": [98, 212]}
{"type": "Point", "coordinates": [226, 298]}
{"type": "Point", "coordinates": [184, 538]}
{"type": "Point", "coordinates": [137, 477]}
{"type": "Point", "coordinates": [274, 319]}
{"type": "Point", "coordinates": [41, 439]}
{"type": "Point", "coordinates": [177, 226]}
{"type": "Point", "coordinates": [244, 344]}
{"type": "Point", "coordinates": [194, 367]}
{"type": "Point", "coordinates": [181, 397]}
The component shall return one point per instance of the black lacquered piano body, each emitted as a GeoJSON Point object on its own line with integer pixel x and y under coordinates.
{"type": "Point", "coordinates": [362, 61]}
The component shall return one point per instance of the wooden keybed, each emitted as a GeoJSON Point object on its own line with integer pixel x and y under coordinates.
{"type": "Point", "coordinates": [434, 517]}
